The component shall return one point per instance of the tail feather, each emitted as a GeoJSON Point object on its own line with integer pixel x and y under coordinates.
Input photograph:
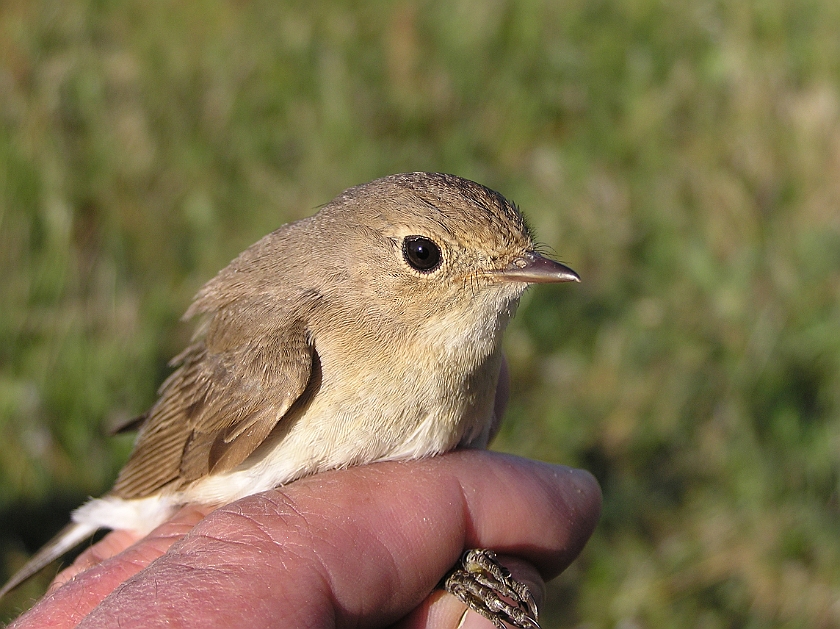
{"type": "Point", "coordinates": [68, 538]}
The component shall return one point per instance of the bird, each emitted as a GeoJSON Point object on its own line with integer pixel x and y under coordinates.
{"type": "Point", "coordinates": [369, 331]}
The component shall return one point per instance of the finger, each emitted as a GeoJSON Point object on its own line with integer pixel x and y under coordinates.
{"type": "Point", "coordinates": [80, 588]}
{"type": "Point", "coordinates": [541, 513]}
{"type": "Point", "coordinates": [361, 546]}
{"type": "Point", "coordinates": [113, 543]}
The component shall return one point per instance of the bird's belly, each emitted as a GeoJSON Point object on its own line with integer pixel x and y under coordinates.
{"type": "Point", "coordinates": [366, 424]}
{"type": "Point", "coordinates": [327, 438]}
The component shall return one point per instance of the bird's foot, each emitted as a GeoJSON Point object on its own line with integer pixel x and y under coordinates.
{"type": "Point", "coordinates": [485, 585]}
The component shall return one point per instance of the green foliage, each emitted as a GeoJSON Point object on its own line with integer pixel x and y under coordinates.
{"type": "Point", "coordinates": [684, 157]}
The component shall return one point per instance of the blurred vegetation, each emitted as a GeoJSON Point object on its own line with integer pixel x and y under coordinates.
{"type": "Point", "coordinates": [683, 156]}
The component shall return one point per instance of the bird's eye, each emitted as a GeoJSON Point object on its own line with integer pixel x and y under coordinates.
{"type": "Point", "coordinates": [421, 253]}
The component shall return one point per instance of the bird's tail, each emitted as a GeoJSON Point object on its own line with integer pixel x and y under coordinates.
{"type": "Point", "coordinates": [68, 538]}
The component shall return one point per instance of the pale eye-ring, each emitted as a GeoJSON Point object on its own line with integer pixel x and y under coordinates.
{"type": "Point", "coordinates": [421, 253]}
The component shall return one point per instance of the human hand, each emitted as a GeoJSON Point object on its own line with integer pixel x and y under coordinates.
{"type": "Point", "coordinates": [362, 547]}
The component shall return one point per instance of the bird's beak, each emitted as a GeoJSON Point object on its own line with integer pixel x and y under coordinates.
{"type": "Point", "coordinates": [533, 268]}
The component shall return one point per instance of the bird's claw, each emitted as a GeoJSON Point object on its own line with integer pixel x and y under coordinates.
{"type": "Point", "coordinates": [487, 587]}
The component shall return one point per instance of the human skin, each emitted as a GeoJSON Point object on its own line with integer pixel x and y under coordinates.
{"type": "Point", "coordinates": [356, 547]}
{"type": "Point", "coordinates": [363, 546]}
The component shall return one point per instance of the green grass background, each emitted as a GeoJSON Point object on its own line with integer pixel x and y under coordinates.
{"type": "Point", "coordinates": [683, 156]}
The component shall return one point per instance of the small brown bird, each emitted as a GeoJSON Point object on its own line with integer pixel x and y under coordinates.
{"type": "Point", "coordinates": [370, 331]}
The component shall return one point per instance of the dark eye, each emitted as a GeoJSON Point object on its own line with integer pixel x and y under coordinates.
{"type": "Point", "coordinates": [421, 253]}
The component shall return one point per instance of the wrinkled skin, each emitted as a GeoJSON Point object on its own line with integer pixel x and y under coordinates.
{"type": "Point", "coordinates": [357, 547]}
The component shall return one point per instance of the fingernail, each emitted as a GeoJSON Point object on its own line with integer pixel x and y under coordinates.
{"type": "Point", "coordinates": [473, 620]}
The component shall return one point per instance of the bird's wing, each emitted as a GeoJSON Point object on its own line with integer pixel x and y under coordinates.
{"type": "Point", "coordinates": [231, 389]}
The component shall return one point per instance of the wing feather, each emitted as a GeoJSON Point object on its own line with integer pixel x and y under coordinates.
{"type": "Point", "coordinates": [230, 390]}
